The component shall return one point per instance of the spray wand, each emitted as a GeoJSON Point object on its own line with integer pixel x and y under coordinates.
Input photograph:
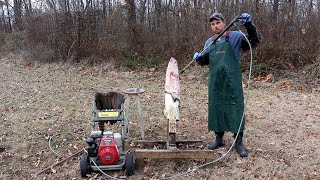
{"type": "Point", "coordinates": [214, 40]}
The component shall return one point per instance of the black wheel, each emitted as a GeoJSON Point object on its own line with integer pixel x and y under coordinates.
{"type": "Point", "coordinates": [84, 166]}
{"type": "Point", "coordinates": [129, 164]}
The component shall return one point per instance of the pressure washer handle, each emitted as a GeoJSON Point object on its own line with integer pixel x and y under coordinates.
{"type": "Point", "coordinates": [214, 40]}
{"type": "Point", "coordinates": [182, 71]}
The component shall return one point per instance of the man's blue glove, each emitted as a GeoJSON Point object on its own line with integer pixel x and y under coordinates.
{"type": "Point", "coordinates": [197, 56]}
{"type": "Point", "coordinates": [244, 18]}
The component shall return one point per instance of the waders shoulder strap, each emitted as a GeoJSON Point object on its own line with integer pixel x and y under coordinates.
{"type": "Point", "coordinates": [227, 36]}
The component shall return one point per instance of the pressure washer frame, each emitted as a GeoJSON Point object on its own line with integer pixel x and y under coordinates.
{"type": "Point", "coordinates": [126, 160]}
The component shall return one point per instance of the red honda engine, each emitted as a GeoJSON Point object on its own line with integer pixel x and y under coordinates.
{"type": "Point", "coordinates": [108, 151]}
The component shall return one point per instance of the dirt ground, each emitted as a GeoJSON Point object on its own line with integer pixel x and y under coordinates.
{"type": "Point", "coordinates": [42, 103]}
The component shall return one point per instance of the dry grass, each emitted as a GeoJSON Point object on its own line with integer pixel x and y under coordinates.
{"type": "Point", "coordinates": [43, 100]}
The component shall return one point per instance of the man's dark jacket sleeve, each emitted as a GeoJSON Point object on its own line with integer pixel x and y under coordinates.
{"type": "Point", "coordinates": [253, 36]}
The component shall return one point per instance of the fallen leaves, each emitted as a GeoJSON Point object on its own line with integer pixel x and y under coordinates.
{"type": "Point", "coordinates": [239, 160]}
{"type": "Point", "coordinates": [84, 71]}
{"type": "Point", "coordinates": [184, 119]}
{"type": "Point", "coordinates": [53, 170]}
{"type": "Point", "coordinates": [272, 143]}
{"type": "Point", "coordinates": [25, 156]}
{"type": "Point", "coordinates": [266, 110]}
{"type": "Point", "coordinates": [279, 175]}
{"type": "Point", "coordinates": [285, 160]}
{"type": "Point", "coordinates": [267, 78]}
{"type": "Point", "coordinates": [246, 167]}
{"type": "Point", "coordinates": [28, 65]}
{"type": "Point", "coordinates": [36, 164]}
{"type": "Point", "coordinates": [152, 69]}
{"type": "Point", "coordinates": [259, 117]}
{"type": "Point", "coordinates": [301, 89]}
{"type": "Point", "coordinates": [287, 84]}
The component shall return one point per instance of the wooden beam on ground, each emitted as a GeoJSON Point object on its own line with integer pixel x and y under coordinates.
{"type": "Point", "coordinates": [163, 142]}
{"type": "Point", "coordinates": [173, 154]}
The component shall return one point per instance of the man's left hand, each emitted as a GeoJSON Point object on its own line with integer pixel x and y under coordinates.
{"type": "Point", "coordinates": [244, 18]}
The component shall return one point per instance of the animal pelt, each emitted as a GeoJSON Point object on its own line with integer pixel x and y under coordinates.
{"type": "Point", "coordinates": [110, 100]}
{"type": "Point", "coordinates": [171, 109]}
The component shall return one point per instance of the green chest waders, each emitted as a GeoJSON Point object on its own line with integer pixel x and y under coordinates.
{"type": "Point", "coordinates": [225, 91]}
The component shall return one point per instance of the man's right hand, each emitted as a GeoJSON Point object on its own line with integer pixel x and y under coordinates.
{"type": "Point", "coordinates": [197, 56]}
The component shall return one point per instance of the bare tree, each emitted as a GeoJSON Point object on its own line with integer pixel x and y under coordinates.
{"type": "Point", "coordinates": [84, 28]}
{"type": "Point", "coordinates": [28, 7]}
{"type": "Point", "coordinates": [142, 13]}
{"type": "Point", "coordinates": [318, 10]}
{"type": "Point", "coordinates": [275, 11]}
{"type": "Point", "coordinates": [131, 21]}
{"type": "Point", "coordinates": [17, 9]}
{"type": "Point", "coordinates": [157, 12]}
{"type": "Point", "coordinates": [8, 15]}
{"type": "Point", "coordinates": [3, 15]}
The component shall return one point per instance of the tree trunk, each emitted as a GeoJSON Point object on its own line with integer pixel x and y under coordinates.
{"type": "Point", "coordinates": [257, 7]}
{"type": "Point", "coordinates": [275, 10]}
{"type": "Point", "coordinates": [17, 5]}
{"type": "Point", "coordinates": [131, 12]}
{"type": "Point", "coordinates": [157, 11]}
{"type": "Point", "coordinates": [318, 5]}
{"type": "Point", "coordinates": [28, 7]}
{"type": "Point", "coordinates": [142, 11]}
{"type": "Point", "coordinates": [104, 6]}
{"type": "Point", "coordinates": [176, 9]}
{"type": "Point", "coordinates": [79, 37]}
{"type": "Point", "coordinates": [4, 19]}
{"type": "Point", "coordinates": [132, 33]}
{"type": "Point", "coordinates": [110, 10]}
{"type": "Point", "coordinates": [196, 9]}
{"type": "Point", "coordinates": [9, 19]}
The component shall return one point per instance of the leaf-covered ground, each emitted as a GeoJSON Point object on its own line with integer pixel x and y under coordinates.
{"type": "Point", "coordinates": [42, 103]}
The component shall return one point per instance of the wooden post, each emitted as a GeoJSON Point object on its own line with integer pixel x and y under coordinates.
{"type": "Point", "coordinates": [171, 143]}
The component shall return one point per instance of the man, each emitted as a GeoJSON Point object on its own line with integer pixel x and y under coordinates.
{"type": "Point", "coordinates": [226, 101]}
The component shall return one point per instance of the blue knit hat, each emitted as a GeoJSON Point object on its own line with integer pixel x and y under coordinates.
{"type": "Point", "coordinates": [216, 16]}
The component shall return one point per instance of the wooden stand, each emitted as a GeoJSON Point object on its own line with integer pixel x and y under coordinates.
{"type": "Point", "coordinates": [171, 142]}
{"type": "Point", "coordinates": [134, 92]}
{"type": "Point", "coordinates": [172, 152]}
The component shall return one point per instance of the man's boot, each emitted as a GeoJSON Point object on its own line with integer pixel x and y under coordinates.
{"type": "Point", "coordinates": [239, 145]}
{"type": "Point", "coordinates": [218, 142]}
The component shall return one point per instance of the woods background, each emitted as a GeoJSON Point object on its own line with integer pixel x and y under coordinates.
{"type": "Point", "coordinates": [146, 33]}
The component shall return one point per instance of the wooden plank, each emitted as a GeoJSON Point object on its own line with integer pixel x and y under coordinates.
{"type": "Point", "coordinates": [163, 142]}
{"type": "Point", "coordinates": [174, 154]}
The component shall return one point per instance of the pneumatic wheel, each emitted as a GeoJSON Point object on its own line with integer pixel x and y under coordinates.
{"type": "Point", "coordinates": [84, 166]}
{"type": "Point", "coordinates": [129, 164]}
